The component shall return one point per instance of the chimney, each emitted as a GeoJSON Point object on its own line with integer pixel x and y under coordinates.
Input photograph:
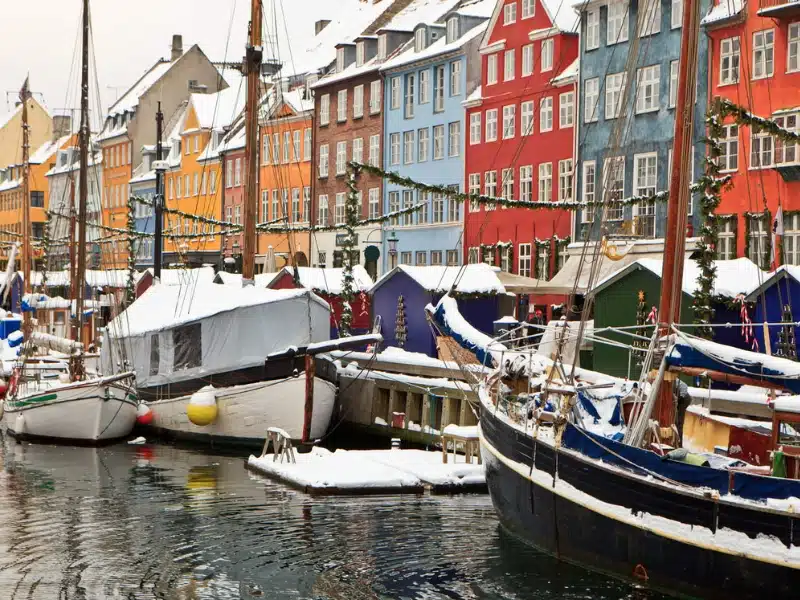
{"type": "Point", "coordinates": [177, 47]}
{"type": "Point", "coordinates": [320, 25]}
{"type": "Point", "coordinates": [62, 125]}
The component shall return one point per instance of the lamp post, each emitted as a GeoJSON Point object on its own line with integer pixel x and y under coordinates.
{"type": "Point", "coordinates": [392, 242]}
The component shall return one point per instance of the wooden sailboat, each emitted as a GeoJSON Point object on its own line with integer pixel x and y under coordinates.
{"type": "Point", "coordinates": [45, 401]}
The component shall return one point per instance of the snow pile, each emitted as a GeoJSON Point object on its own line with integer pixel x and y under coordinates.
{"type": "Point", "coordinates": [790, 404]}
{"type": "Point", "coordinates": [472, 279]}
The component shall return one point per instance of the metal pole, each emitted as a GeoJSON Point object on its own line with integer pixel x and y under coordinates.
{"type": "Point", "coordinates": [159, 199]}
{"type": "Point", "coordinates": [253, 71]}
{"type": "Point", "coordinates": [680, 196]}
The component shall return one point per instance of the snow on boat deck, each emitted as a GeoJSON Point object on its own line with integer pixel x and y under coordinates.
{"type": "Point", "coordinates": [356, 472]}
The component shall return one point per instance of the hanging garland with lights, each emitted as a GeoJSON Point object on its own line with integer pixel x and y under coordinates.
{"type": "Point", "coordinates": [351, 211]}
{"type": "Point", "coordinates": [725, 108]}
{"type": "Point", "coordinates": [133, 242]}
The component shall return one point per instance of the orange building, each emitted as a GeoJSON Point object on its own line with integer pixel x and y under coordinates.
{"type": "Point", "coordinates": [285, 176]}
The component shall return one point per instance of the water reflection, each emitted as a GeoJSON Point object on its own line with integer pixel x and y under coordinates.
{"type": "Point", "coordinates": [164, 522]}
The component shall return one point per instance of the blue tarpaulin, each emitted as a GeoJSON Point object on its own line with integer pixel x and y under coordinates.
{"type": "Point", "coordinates": [758, 487]}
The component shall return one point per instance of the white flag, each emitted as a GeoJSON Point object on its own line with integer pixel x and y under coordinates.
{"type": "Point", "coordinates": [777, 224]}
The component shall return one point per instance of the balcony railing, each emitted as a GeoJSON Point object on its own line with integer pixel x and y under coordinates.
{"type": "Point", "coordinates": [779, 9]}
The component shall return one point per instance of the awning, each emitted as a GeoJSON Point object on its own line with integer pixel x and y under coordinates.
{"type": "Point", "coordinates": [580, 269]}
{"type": "Point", "coordinates": [519, 284]}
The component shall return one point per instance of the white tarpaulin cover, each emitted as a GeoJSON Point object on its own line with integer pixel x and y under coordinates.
{"type": "Point", "coordinates": [178, 333]}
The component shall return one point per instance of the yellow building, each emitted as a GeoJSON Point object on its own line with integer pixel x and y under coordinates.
{"type": "Point", "coordinates": [41, 131]}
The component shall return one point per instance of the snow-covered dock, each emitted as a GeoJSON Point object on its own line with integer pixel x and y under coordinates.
{"type": "Point", "coordinates": [373, 472]}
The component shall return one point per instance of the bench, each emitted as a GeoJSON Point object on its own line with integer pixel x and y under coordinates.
{"type": "Point", "coordinates": [281, 445]}
{"type": "Point", "coordinates": [466, 436]}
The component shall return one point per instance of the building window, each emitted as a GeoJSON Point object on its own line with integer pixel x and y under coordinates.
{"type": "Point", "coordinates": [374, 197]}
{"type": "Point", "coordinates": [419, 39]}
{"type": "Point", "coordinates": [323, 160]}
{"type": "Point", "coordinates": [408, 112]}
{"type": "Point", "coordinates": [421, 258]}
{"type": "Point", "coordinates": [565, 179]}
{"type": "Point", "coordinates": [276, 147]}
{"type": "Point", "coordinates": [438, 89]}
{"type": "Point", "coordinates": [454, 209]}
{"type": "Point", "coordinates": [647, 85]}
{"type": "Point", "coordinates": [37, 200]}
{"type": "Point", "coordinates": [545, 182]}
{"type": "Point", "coordinates": [526, 183]}
{"type": "Point", "coordinates": [614, 185]}
{"type": "Point", "coordinates": [425, 201]}
{"type": "Point", "coordinates": [488, 256]}
{"type": "Point", "coordinates": [592, 39]}
{"type": "Point", "coordinates": [546, 114]}
{"type": "Point", "coordinates": [507, 183]}
{"type": "Point", "coordinates": [644, 184]}
{"type": "Point", "coordinates": [325, 109]}
{"type": "Point", "coordinates": [527, 60]}
{"type": "Point", "coordinates": [408, 147]}
{"type": "Point", "coordinates": [374, 150]}
{"type": "Point", "coordinates": [491, 125]}
{"type": "Point", "coordinates": [339, 60]}
{"type": "Point", "coordinates": [452, 258]}
{"type": "Point", "coordinates": [276, 205]}
{"type": "Point", "coordinates": [322, 259]}
{"type": "Point", "coordinates": [726, 246]}
{"type": "Point", "coordinates": [542, 261]}
{"type": "Point", "coordinates": [394, 93]}
{"type": "Point", "coordinates": [455, 78]}
{"type": "Point", "coordinates": [673, 83]}
{"type": "Point", "coordinates": [196, 184]}
{"type": "Point", "coordinates": [394, 206]}
{"type": "Point", "coordinates": [588, 194]}
{"type": "Point", "coordinates": [375, 97]}
{"type": "Point", "coordinates": [358, 101]}
{"type": "Point", "coordinates": [452, 29]}
{"type": "Point", "coordinates": [591, 96]}
{"type": "Point", "coordinates": [649, 17]}
{"type": "Point", "coordinates": [358, 150]}
{"type": "Point", "coordinates": [295, 205]}
{"type": "Point", "coordinates": [491, 69]}
{"type": "Point", "coordinates": [237, 175]}
{"type": "Point", "coordinates": [454, 139]}
{"type": "Point", "coordinates": [546, 57]}
{"type": "Point", "coordinates": [437, 208]}
{"type": "Point", "coordinates": [423, 141]}
{"type": "Point", "coordinates": [474, 190]}
{"type": "Point", "coordinates": [617, 30]}
{"type": "Point", "coordinates": [436, 258]}
{"type": "Point", "coordinates": [793, 53]}
{"type": "Point", "coordinates": [786, 153]}
{"type": "Point", "coordinates": [761, 150]}
{"type": "Point", "coordinates": [566, 110]}
{"type": "Point", "coordinates": [213, 182]}
{"type": "Point", "coordinates": [791, 239]}
{"type": "Point", "coordinates": [510, 13]}
{"type": "Point", "coordinates": [763, 53]}
{"type": "Point", "coordinates": [474, 128]}
{"type": "Point", "coordinates": [306, 203]}
{"type": "Point", "coordinates": [759, 241]}
{"type": "Point", "coordinates": [360, 53]}
{"type": "Point", "coordinates": [338, 214]}
{"type": "Point", "coordinates": [341, 106]}
{"type": "Point", "coordinates": [729, 60]}
{"type": "Point", "coordinates": [615, 86]}
{"type": "Point", "coordinates": [424, 86]}
{"type": "Point", "coordinates": [405, 258]}
{"type": "Point", "coordinates": [408, 202]}
{"type": "Point", "coordinates": [524, 260]}
{"type": "Point", "coordinates": [509, 121]}
{"type": "Point", "coordinates": [265, 149]}
{"type": "Point", "coordinates": [508, 65]}
{"type": "Point", "coordinates": [438, 142]}
{"type": "Point", "coordinates": [394, 149]}
{"type": "Point", "coordinates": [382, 46]}
{"type": "Point", "coordinates": [676, 14]}
{"type": "Point", "coordinates": [729, 145]}
{"type": "Point", "coordinates": [286, 144]}
{"type": "Point", "coordinates": [490, 187]}
{"type": "Point", "coordinates": [526, 118]}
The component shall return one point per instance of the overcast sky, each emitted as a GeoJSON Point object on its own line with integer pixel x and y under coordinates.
{"type": "Point", "coordinates": [40, 37]}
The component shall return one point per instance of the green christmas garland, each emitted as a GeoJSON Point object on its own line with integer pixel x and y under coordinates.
{"type": "Point", "coordinates": [352, 210]}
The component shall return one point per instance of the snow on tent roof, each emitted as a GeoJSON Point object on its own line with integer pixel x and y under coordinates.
{"type": "Point", "coordinates": [472, 279]}
{"type": "Point", "coordinates": [182, 277]}
{"type": "Point", "coordinates": [771, 279]}
{"type": "Point", "coordinates": [329, 281]}
{"type": "Point", "coordinates": [166, 306]}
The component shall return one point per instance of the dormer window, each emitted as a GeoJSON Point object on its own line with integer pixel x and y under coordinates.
{"type": "Point", "coordinates": [339, 60]}
{"type": "Point", "coordinates": [452, 29]}
{"type": "Point", "coordinates": [176, 147]}
{"type": "Point", "coordinates": [419, 40]}
{"type": "Point", "coordinates": [360, 53]}
{"type": "Point", "coordinates": [382, 46]}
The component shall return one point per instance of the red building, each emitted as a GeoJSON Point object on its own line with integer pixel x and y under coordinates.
{"type": "Point", "coordinates": [521, 140]}
{"type": "Point", "coordinates": [755, 62]}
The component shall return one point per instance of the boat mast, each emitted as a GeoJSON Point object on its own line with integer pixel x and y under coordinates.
{"type": "Point", "coordinates": [83, 136]}
{"type": "Point", "coordinates": [680, 195]}
{"type": "Point", "coordinates": [252, 68]}
{"type": "Point", "coordinates": [27, 255]}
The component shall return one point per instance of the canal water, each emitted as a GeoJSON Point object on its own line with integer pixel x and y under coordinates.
{"type": "Point", "coordinates": [157, 521]}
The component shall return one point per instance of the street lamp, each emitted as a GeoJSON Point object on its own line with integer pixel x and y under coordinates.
{"type": "Point", "coordinates": [392, 242]}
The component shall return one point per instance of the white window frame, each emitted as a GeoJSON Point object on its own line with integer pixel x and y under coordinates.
{"type": "Point", "coordinates": [591, 99]}
{"type": "Point", "coordinates": [730, 60]}
{"type": "Point", "coordinates": [528, 9]}
{"type": "Point", "coordinates": [546, 55]}
{"type": "Point", "coordinates": [729, 145]}
{"type": "Point", "coordinates": [524, 259]}
{"type": "Point", "coordinates": [793, 48]}
{"type": "Point", "coordinates": [510, 13]}
{"type": "Point", "coordinates": [358, 150]}
{"type": "Point", "coordinates": [454, 139]}
{"type": "Point", "coordinates": [323, 160]}
{"type": "Point", "coordinates": [509, 121]}
{"type": "Point", "coordinates": [409, 96]}
{"type": "Point", "coordinates": [527, 60]}
{"type": "Point", "coordinates": [649, 19]}
{"type": "Point", "coordinates": [341, 106]}
{"type": "Point", "coordinates": [455, 78]}
{"type": "Point", "coordinates": [475, 128]}
{"type": "Point", "coordinates": [676, 14]}
{"type": "Point", "coordinates": [358, 101]}
{"type": "Point", "coordinates": [526, 183]}
{"type": "Point", "coordinates": [394, 93]}
{"type": "Point", "coordinates": [763, 54]}
{"type": "Point", "coordinates": [438, 142]}
{"type": "Point", "coordinates": [324, 109]}
{"type": "Point", "coordinates": [409, 141]}
{"type": "Point", "coordinates": [341, 157]}
{"type": "Point", "coordinates": [565, 177]}
{"type": "Point", "coordinates": [615, 89]}
{"type": "Point", "coordinates": [425, 86]}
{"type": "Point", "coordinates": [374, 197]}
{"type": "Point", "coordinates": [566, 110]}
{"type": "Point", "coordinates": [509, 64]}
{"type": "Point", "coordinates": [394, 149]}
{"type": "Point", "coordinates": [617, 23]}
{"type": "Point", "coordinates": [491, 69]}
{"type": "Point", "coordinates": [375, 97]}
{"type": "Point", "coordinates": [592, 36]}
{"type": "Point", "coordinates": [546, 114]}
{"type": "Point", "coordinates": [545, 182]}
{"type": "Point", "coordinates": [526, 118]}
{"type": "Point", "coordinates": [673, 83]}
{"type": "Point", "coordinates": [438, 88]}
{"type": "Point", "coordinates": [648, 87]}
{"type": "Point", "coordinates": [613, 189]}
{"type": "Point", "coordinates": [588, 189]}
{"type": "Point", "coordinates": [423, 144]}
{"type": "Point", "coordinates": [491, 125]}
{"type": "Point", "coordinates": [474, 189]}
{"type": "Point", "coordinates": [375, 150]}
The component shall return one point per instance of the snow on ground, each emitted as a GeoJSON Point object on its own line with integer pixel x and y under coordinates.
{"type": "Point", "coordinates": [352, 470]}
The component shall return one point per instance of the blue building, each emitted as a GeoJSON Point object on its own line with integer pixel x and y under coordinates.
{"type": "Point", "coordinates": [425, 84]}
{"type": "Point", "coordinates": [143, 185]}
{"type": "Point", "coordinates": [628, 88]}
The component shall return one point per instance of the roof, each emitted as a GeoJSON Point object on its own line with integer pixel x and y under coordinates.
{"type": "Point", "coordinates": [48, 149]}
{"type": "Point", "coordinates": [722, 10]}
{"type": "Point", "coordinates": [568, 75]}
{"type": "Point", "coordinates": [328, 281]}
{"type": "Point", "coordinates": [130, 99]}
{"type": "Point", "coordinates": [773, 278]}
{"type": "Point", "coordinates": [733, 277]}
{"type": "Point", "coordinates": [437, 48]}
{"type": "Point", "coordinates": [296, 100]}
{"type": "Point", "coordinates": [477, 8]}
{"type": "Point", "coordinates": [5, 118]}
{"type": "Point", "coordinates": [472, 279]}
{"type": "Point", "coordinates": [219, 109]}
{"type": "Point", "coordinates": [563, 17]}
{"type": "Point", "coordinates": [183, 277]}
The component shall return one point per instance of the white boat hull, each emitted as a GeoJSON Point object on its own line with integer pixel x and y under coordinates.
{"type": "Point", "coordinates": [91, 411]}
{"type": "Point", "coordinates": [244, 412]}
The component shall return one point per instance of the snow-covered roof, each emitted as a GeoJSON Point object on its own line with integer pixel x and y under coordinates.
{"type": "Point", "coordinates": [472, 279]}
{"type": "Point", "coordinates": [259, 279]}
{"type": "Point", "coordinates": [477, 8]}
{"type": "Point", "coordinates": [771, 279]}
{"type": "Point", "coordinates": [350, 71]}
{"type": "Point", "coordinates": [722, 10]}
{"type": "Point", "coordinates": [183, 277]}
{"type": "Point", "coordinates": [48, 149]}
{"type": "Point", "coordinates": [95, 278]}
{"type": "Point", "coordinates": [95, 160]}
{"type": "Point", "coordinates": [329, 281]}
{"type": "Point", "coordinates": [568, 75]}
{"type": "Point", "coordinates": [11, 184]}
{"type": "Point", "coordinates": [420, 11]}
{"type": "Point", "coordinates": [220, 109]}
{"type": "Point", "coordinates": [296, 100]}
{"type": "Point", "coordinates": [733, 277]}
{"type": "Point", "coordinates": [130, 99]}
{"type": "Point", "coordinates": [562, 15]}
{"type": "Point", "coordinates": [790, 404]}
{"type": "Point", "coordinates": [437, 48]}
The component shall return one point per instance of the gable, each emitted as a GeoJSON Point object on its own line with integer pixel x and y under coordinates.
{"type": "Point", "coordinates": [191, 122]}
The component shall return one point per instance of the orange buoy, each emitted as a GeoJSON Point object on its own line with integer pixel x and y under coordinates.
{"type": "Point", "coordinates": [144, 416]}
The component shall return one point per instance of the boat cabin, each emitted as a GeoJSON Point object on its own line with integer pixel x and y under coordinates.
{"type": "Point", "coordinates": [786, 438]}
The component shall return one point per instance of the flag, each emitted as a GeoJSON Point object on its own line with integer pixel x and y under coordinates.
{"type": "Point", "coordinates": [777, 229]}
{"type": "Point", "coordinates": [24, 94]}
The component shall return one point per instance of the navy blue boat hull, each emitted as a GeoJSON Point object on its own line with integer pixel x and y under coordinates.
{"type": "Point", "coordinates": [575, 533]}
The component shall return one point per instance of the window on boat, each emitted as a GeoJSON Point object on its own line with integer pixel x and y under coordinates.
{"type": "Point", "coordinates": [188, 347]}
{"type": "Point", "coordinates": [155, 354]}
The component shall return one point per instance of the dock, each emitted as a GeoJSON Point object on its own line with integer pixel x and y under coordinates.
{"type": "Point", "coordinates": [363, 472]}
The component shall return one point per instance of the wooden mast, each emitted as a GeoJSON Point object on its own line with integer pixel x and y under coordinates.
{"type": "Point", "coordinates": [252, 68]}
{"type": "Point", "coordinates": [27, 252]}
{"type": "Point", "coordinates": [680, 195]}
{"type": "Point", "coordinates": [83, 179]}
